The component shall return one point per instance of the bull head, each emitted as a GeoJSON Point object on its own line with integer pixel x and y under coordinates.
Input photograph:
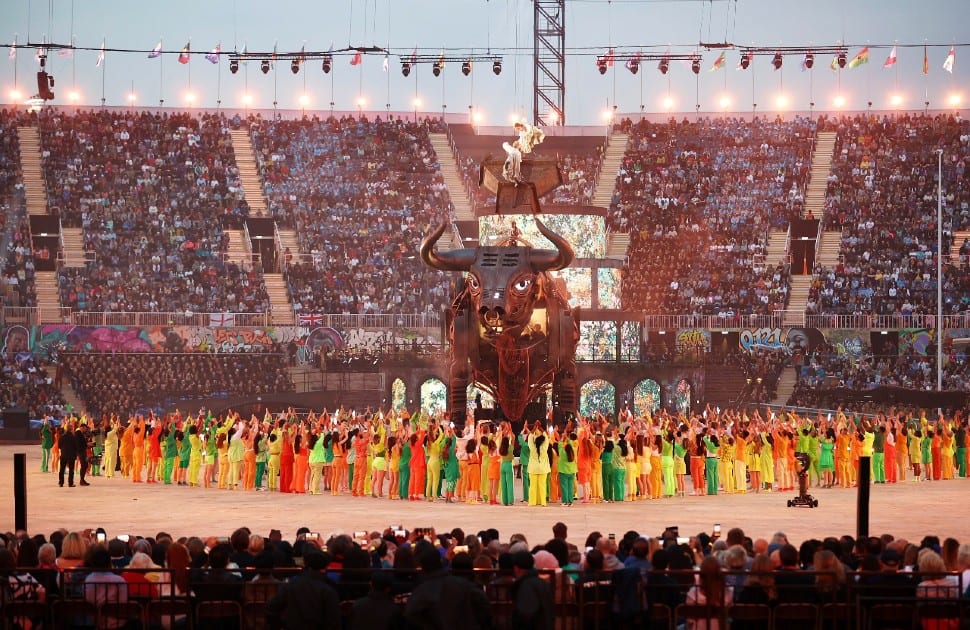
{"type": "Point", "coordinates": [502, 281]}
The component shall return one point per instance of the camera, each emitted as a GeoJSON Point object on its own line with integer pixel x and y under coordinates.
{"type": "Point", "coordinates": [100, 535]}
{"type": "Point", "coordinates": [461, 548]}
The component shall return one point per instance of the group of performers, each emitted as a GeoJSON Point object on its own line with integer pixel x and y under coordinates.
{"type": "Point", "coordinates": [391, 454]}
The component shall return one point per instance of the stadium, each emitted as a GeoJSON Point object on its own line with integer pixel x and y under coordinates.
{"type": "Point", "coordinates": [241, 306]}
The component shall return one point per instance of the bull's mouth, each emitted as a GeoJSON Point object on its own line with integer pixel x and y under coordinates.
{"type": "Point", "coordinates": [493, 319]}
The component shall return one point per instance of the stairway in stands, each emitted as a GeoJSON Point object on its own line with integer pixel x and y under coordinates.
{"type": "Point", "coordinates": [617, 243]}
{"type": "Point", "coordinates": [240, 250]}
{"type": "Point", "coordinates": [722, 385]}
{"type": "Point", "coordinates": [71, 398]}
{"type": "Point", "coordinates": [958, 238]}
{"type": "Point", "coordinates": [35, 189]}
{"type": "Point", "coordinates": [785, 386]}
{"type": "Point", "coordinates": [35, 192]}
{"type": "Point", "coordinates": [829, 247]}
{"type": "Point", "coordinates": [242, 146]}
{"type": "Point", "coordinates": [818, 180]}
{"type": "Point", "coordinates": [797, 300]}
{"type": "Point", "coordinates": [464, 210]}
{"type": "Point", "coordinates": [777, 247]}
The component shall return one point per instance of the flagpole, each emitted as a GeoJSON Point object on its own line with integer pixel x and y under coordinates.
{"type": "Point", "coordinates": [161, 75]}
{"type": "Point", "coordinates": [103, 63]}
{"type": "Point", "coordinates": [939, 271]}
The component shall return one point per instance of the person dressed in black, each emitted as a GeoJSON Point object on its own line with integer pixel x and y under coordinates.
{"type": "Point", "coordinates": [443, 600]}
{"type": "Point", "coordinates": [82, 438]}
{"type": "Point", "coordinates": [534, 606]}
{"type": "Point", "coordinates": [67, 444]}
{"type": "Point", "coordinates": [308, 600]}
{"type": "Point", "coordinates": [377, 609]}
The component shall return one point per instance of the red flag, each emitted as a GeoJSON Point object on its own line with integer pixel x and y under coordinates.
{"type": "Point", "coordinates": [926, 62]}
{"type": "Point", "coordinates": [184, 55]}
{"type": "Point", "coordinates": [610, 58]}
{"type": "Point", "coordinates": [358, 58]}
{"type": "Point", "coordinates": [891, 59]}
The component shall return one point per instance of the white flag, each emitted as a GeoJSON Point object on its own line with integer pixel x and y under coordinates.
{"type": "Point", "coordinates": [100, 56]}
{"type": "Point", "coordinates": [950, 58]}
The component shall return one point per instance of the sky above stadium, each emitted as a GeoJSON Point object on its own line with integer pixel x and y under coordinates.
{"type": "Point", "coordinates": [499, 27]}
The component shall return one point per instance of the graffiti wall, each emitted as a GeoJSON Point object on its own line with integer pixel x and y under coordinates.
{"type": "Point", "coordinates": [303, 341]}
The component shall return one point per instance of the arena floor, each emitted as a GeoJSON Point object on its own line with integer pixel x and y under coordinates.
{"type": "Point", "coordinates": [909, 510]}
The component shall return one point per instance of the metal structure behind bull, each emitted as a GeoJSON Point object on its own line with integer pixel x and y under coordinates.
{"type": "Point", "coordinates": [511, 328]}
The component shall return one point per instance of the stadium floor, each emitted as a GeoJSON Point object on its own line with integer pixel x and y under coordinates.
{"type": "Point", "coordinates": [909, 510]}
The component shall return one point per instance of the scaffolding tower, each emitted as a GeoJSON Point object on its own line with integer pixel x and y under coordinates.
{"type": "Point", "coordinates": [549, 62]}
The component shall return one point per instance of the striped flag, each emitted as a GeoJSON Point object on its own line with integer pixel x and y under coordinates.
{"type": "Point", "coordinates": [861, 58]}
{"type": "Point", "coordinates": [719, 62]}
{"type": "Point", "coordinates": [926, 62]}
{"type": "Point", "coordinates": [213, 55]}
{"type": "Point", "coordinates": [185, 55]}
{"type": "Point", "coordinates": [950, 58]}
{"type": "Point", "coordinates": [891, 59]}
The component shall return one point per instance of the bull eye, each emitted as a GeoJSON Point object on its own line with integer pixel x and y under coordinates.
{"type": "Point", "coordinates": [522, 284]}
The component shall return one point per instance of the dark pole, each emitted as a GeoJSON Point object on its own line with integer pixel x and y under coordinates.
{"type": "Point", "coordinates": [20, 491]}
{"type": "Point", "coordinates": [862, 502]}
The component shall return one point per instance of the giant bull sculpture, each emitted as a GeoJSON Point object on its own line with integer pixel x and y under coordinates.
{"type": "Point", "coordinates": [511, 329]}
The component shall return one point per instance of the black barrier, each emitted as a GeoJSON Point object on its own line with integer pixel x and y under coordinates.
{"type": "Point", "coordinates": [20, 491]}
{"type": "Point", "coordinates": [862, 501]}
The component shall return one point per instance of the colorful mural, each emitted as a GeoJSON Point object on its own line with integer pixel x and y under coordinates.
{"type": "Point", "coordinates": [693, 339]}
{"type": "Point", "coordinates": [916, 341]}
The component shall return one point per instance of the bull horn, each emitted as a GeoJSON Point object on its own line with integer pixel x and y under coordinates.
{"type": "Point", "coordinates": [548, 260]}
{"type": "Point", "coordinates": [457, 260]}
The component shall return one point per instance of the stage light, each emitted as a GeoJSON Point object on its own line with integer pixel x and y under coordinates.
{"type": "Point", "coordinates": [405, 68]}
{"type": "Point", "coordinates": [436, 68]}
{"type": "Point", "coordinates": [304, 100]}
{"type": "Point", "coordinates": [132, 97]}
{"type": "Point", "coordinates": [601, 65]}
{"type": "Point", "coordinates": [553, 116]}
{"type": "Point", "coordinates": [725, 101]}
{"type": "Point", "coordinates": [839, 101]}
{"type": "Point", "coordinates": [777, 61]}
{"type": "Point", "coordinates": [607, 115]}
{"type": "Point", "coordinates": [416, 103]}
{"type": "Point", "coordinates": [497, 66]}
{"type": "Point", "coordinates": [15, 95]}
{"type": "Point", "coordinates": [841, 59]}
{"type": "Point", "coordinates": [633, 66]}
{"type": "Point", "coordinates": [668, 103]}
{"type": "Point", "coordinates": [477, 117]}
{"type": "Point", "coordinates": [695, 65]}
{"type": "Point", "coordinates": [247, 99]}
{"type": "Point", "coordinates": [327, 63]}
{"type": "Point", "coordinates": [73, 96]}
{"type": "Point", "coordinates": [809, 60]}
{"type": "Point", "coordinates": [361, 101]}
{"type": "Point", "coordinates": [295, 66]}
{"type": "Point", "coordinates": [745, 61]}
{"type": "Point", "coordinates": [233, 65]}
{"type": "Point", "coordinates": [466, 67]}
{"type": "Point", "coordinates": [189, 98]}
{"type": "Point", "coordinates": [663, 66]}
{"type": "Point", "coordinates": [896, 100]}
{"type": "Point", "coordinates": [955, 100]}
{"type": "Point", "coordinates": [781, 101]}
{"type": "Point", "coordinates": [264, 66]}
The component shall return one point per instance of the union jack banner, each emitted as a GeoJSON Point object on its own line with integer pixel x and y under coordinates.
{"type": "Point", "coordinates": [310, 319]}
{"type": "Point", "coordinates": [222, 320]}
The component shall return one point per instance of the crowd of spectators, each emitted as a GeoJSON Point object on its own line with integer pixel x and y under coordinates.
{"type": "Point", "coordinates": [360, 194]}
{"type": "Point", "coordinates": [713, 188]}
{"type": "Point", "coordinates": [26, 384]}
{"type": "Point", "coordinates": [18, 270]}
{"type": "Point", "coordinates": [416, 579]}
{"type": "Point", "coordinates": [882, 194]}
{"type": "Point", "coordinates": [153, 194]}
{"type": "Point", "coordinates": [124, 383]}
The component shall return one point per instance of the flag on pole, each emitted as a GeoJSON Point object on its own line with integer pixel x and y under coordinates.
{"type": "Point", "coordinates": [100, 56]}
{"type": "Point", "coordinates": [13, 50]}
{"type": "Point", "coordinates": [891, 59]}
{"type": "Point", "coordinates": [861, 58]}
{"type": "Point", "coordinates": [357, 59]}
{"type": "Point", "coordinates": [835, 64]}
{"type": "Point", "coordinates": [213, 55]}
{"type": "Point", "coordinates": [184, 56]}
{"type": "Point", "coordinates": [926, 62]}
{"type": "Point", "coordinates": [950, 58]}
{"type": "Point", "coordinates": [610, 57]}
{"type": "Point", "coordinates": [386, 62]}
{"type": "Point", "coordinates": [243, 53]}
{"type": "Point", "coordinates": [156, 51]}
{"type": "Point", "coordinates": [65, 53]}
{"type": "Point", "coordinates": [719, 62]}
{"type": "Point", "coordinates": [414, 56]}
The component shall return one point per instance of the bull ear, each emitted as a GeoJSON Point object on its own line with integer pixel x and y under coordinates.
{"type": "Point", "coordinates": [547, 260]}
{"type": "Point", "coordinates": [457, 260]}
